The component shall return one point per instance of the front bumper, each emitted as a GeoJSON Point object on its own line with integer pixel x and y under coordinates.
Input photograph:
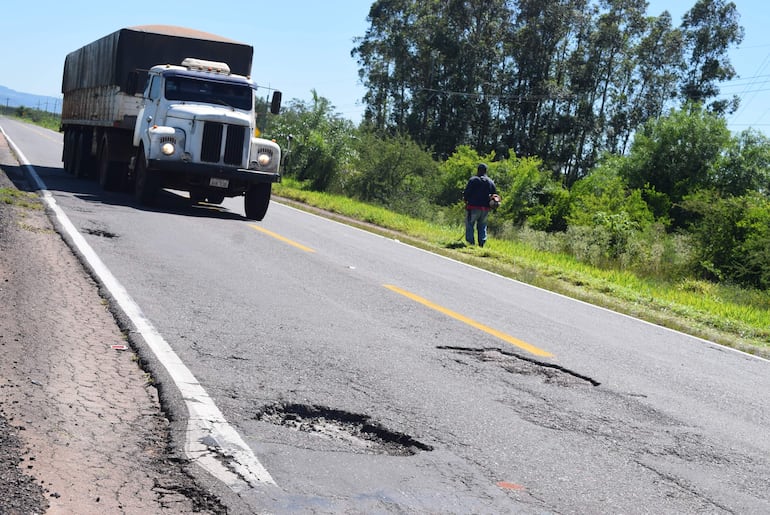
{"type": "Point", "coordinates": [197, 172]}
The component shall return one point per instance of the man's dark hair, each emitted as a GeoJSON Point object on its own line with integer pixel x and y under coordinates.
{"type": "Point", "coordinates": [482, 169]}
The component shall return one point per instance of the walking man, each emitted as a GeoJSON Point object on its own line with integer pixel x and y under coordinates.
{"type": "Point", "coordinates": [476, 197]}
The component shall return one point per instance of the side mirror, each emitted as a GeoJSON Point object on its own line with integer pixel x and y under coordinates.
{"type": "Point", "coordinates": [275, 102]}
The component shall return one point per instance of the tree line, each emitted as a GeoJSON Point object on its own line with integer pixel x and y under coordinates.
{"type": "Point", "coordinates": [563, 80]}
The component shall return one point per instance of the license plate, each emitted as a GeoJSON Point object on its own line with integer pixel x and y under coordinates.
{"type": "Point", "coordinates": [219, 183]}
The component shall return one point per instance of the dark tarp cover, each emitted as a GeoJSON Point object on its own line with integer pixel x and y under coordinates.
{"type": "Point", "coordinates": [111, 59]}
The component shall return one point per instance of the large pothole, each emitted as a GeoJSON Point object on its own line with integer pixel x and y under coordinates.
{"type": "Point", "coordinates": [355, 430]}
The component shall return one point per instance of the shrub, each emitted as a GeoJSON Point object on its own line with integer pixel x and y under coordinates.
{"type": "Point", "coordinates": [394, 172]}
{"type": "Point", "coordinates": [731, 237]}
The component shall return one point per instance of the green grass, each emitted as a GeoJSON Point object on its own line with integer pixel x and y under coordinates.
{"type": "Point", "coordinates": [14, 197]}
{"type": "Point", "coordinates": [727, 315]}
{"type": "Point", "coordinates": [42, 118]}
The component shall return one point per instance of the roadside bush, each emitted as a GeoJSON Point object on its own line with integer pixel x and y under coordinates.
{"type": "Point", "coordinates": [45, 119]}
{"type": "Point", "coordinates": [530, 195]}
{"type": "Point", "coordinates": [320, 162]}
{"type": "Point", "coordinates": [745, 165]}
{"type": "Point", "coordinates": [394, 172]}
{"type": "Point", "coordinates": [603, 197]}
{"type": "Point", "coordinates": [651, 252]}
{"type": "Point", "coordinates": [731, 237]}
{"type": "Point", "coordinates": [674, 156]}
{"type": "Point", "coordinates": [320, 142]}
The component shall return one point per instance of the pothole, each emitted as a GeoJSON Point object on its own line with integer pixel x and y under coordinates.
{"type": "Point", "coordinates": [101, 233]}
{"type": "Point", "coordinates": [517, 364]}
{"type": "Point", "coordinates": [355, 430]}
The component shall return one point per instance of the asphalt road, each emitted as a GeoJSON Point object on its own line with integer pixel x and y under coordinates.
{"type": "Point", "coordinates": [369, 376]}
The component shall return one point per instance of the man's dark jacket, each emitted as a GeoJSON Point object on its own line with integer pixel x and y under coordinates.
{"type": "Point", "coordinates": [477, 192]}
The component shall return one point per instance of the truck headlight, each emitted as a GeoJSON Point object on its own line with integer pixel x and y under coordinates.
{"type": "Point", "coordinates": [264, 159]}
{"type": "Point", "coordinates": [168, 149]}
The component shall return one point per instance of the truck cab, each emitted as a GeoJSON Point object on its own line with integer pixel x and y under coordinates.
{"type": "Point", "coordinates": [196, 131]}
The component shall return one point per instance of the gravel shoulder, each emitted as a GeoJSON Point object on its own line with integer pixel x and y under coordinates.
{"type": "Point", "coordinates": [82, 429]}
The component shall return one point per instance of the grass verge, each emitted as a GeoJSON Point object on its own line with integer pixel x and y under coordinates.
{"type": "Point", "coordinates": [14, 197]}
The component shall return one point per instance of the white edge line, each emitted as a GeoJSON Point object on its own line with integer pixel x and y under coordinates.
{"type": "Point", "coordinates": [206, 424]}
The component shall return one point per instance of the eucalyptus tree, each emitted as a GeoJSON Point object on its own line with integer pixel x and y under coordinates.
{"type": "Point", "coordinates": [710, 28]}
{"type": "Point", "coordinates": [383, 54]}
{"type": "Point", "coordinates": [430, 68]}
{"type": "Point", "coordinates": [536, 80]}
{"type": "Point", "coordinates": [606, 78]}
{"type": "Point", "coordinates": [658, 61]}
{"type": "Point", "coordinates": [621, 29]}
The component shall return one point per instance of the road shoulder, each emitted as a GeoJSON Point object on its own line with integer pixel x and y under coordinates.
{"type": "Point", "coordinates": [83, 430]}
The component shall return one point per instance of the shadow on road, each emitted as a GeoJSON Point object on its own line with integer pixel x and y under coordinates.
{"type": "Point", "coordinates": [88, 189]}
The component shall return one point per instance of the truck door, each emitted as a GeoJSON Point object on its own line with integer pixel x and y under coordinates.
{"type": "Point", "coordinates": [149, 110]}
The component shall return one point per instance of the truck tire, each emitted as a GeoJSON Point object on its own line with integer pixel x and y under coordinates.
{"type": "Point", "coordinates": [67, 156]}
{"type": "Point", "coordinates": [145, 183]}
{"type": "Point", "coordinates": [83, 163]}
{"type": "Point", "coordinates": [109, 171]}
{"type": "Point", "coordinates": [257, 200]}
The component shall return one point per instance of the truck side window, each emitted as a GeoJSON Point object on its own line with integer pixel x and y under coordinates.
{"type": "Point", "coordinates": [154, 93]}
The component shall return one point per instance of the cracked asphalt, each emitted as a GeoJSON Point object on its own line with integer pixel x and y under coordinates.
{"type": "Point", "coordinates": [81, 425]}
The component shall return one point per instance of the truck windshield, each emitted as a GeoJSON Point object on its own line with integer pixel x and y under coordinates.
{"type": "Point", "coordinates": [188, 89]}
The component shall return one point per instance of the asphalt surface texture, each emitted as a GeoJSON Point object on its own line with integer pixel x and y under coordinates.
{"type": "Point", "coordinates": [82, 429]}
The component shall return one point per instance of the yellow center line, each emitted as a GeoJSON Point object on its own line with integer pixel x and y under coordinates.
{"type": "Point", "coordinates": [457, 316]}
{"type": "Point", "coordinates": [279, 237]}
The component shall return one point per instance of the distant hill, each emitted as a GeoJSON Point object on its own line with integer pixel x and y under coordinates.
{"type": "Point", "coordinates": [11, 98]}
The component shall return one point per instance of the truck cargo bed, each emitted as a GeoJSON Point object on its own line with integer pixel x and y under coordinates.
{"type": "Point", "coordinates": [109, 61]}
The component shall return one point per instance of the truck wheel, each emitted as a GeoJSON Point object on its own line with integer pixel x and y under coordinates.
{"type": "Point", "coordinates": [145, 183]}
{"type": "Point", "coordinates": [77, 155]}
{"type": "Point", "coordinates": [68, 151]}
{"type": "Point", "coordinates": [82, 167]}
{"type": "Point", "coordinates": [257, 200]}
{"type": "Point", "coordinates": [109, 171]}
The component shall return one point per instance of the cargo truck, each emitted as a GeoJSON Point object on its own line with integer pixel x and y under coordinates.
{"type": "Point", "coordinates": [159, 106]}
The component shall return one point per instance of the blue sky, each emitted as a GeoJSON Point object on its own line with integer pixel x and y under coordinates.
{"type": "Point", "coordinates": [300, 45]}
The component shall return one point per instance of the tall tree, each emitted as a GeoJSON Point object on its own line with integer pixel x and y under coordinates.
{"type": "Point", "coordinates": [534, 86]}
{"type": "Point", "coordinates": [619, 28]}
{"type": "Point", "coordinates": [710, 28]}
{"type": "Point", "coordinates": [384, 56]}
{"type": "Point", "coordinates": [657, 59]}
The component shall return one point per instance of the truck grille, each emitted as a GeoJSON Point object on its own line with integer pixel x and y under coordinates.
{"type": "Point", "coordinates": [212, 150]}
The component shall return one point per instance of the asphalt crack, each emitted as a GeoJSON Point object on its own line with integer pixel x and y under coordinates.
{"type": "Point", "coordinates": [512, 362]}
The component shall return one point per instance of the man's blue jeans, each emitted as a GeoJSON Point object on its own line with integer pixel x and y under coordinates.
{"type": "Point", "coordinates": [476, 218]}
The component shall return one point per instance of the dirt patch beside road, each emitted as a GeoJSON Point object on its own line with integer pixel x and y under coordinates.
{"type": "Point", "coordinates": [81, 427]}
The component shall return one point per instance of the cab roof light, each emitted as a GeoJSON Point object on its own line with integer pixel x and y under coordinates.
{"type": "Point", "coordinates": [203, 65]}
